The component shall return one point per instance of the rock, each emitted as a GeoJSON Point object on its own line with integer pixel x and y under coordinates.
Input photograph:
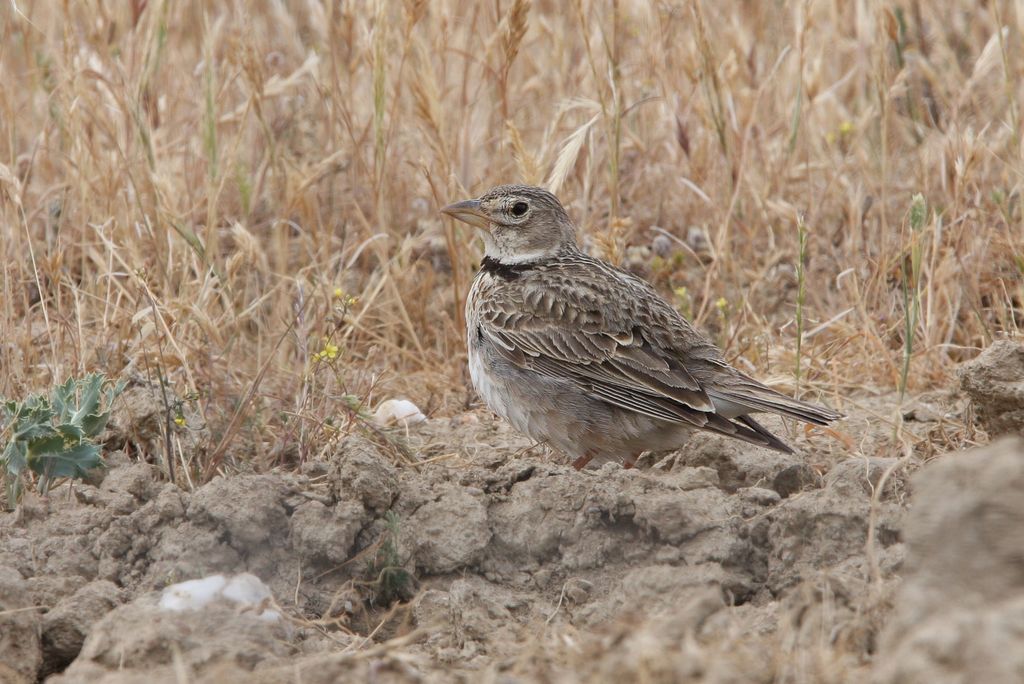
{"type": "Point", "coordinates": [360, 472]}
{"type": "Point", "coordinates": [398, 411]}
{"type": "Point", "coordinates": [994, 382]}
{"type": "Point", "coordinates": [470, 612]}
{"type": "Point", "coordinates": [20, 651]}
{"type": "Point", "coordinates": [141, 480]}
{"type": "Point", "coordinates": [248, 508]}
{"type": "Point", "coordinates": [823, 529]}
{"type": "Point", "coordinates": [479, 609]}
{"type": "Point", "coordinates": [693, 478]}
{"type": "Point", "coordinates": [795, 478]}
{"type": "Point", "coordinates": [245, 590]}
{"type": "Point", "coordinates": [698, 240]}
{"type": "Point", "coordinates": [528, 525]}
{"type": "Point", "coordinates": [661, 244]}
{"type": "Point", "coordinates": [448, 534]}
{"type": "Point", "coordinates": [432, 609]}
{"type": "Point", "coordinates": [959, 616]}
{"type": "Point", "coordinates": [196, 640]}
{"type": "Point", "coordinates": [860, 476]}
{"type": "Point", "coordinates": [692, 516]}
{"type": "Point", "coordinates": [66, 625]}
{"type": "Point", "coordinates": [49, 590]}
{"type": "Point", "coordinates": [319, 533]}
{"type": "Point", "coordinates": [651, 588]}
{"type": "Point", "coordinates": [661, 646]}
{"type": "Point", "coordinates": [922, 412]}
{"type": "Point", "coordinates": [739, 465]}
{"type": "Point", "coordinates": [524, 565]}
{"type": "Point", "coordinates": [758, 496]}
{"type": "Point", "coordinates": [139, 416]}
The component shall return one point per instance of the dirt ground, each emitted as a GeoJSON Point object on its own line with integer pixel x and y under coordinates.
{"type": "Point", "coordinates": [494, 561]}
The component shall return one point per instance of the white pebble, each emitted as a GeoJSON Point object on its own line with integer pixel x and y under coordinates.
{"type": "Point", "coordinates": [245, 589]}
{"type": "Point", "coordinates": [401, 411]}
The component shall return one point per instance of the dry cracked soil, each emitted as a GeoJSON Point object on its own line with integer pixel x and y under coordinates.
{"type": "Point", "coordinates": [493, 561]}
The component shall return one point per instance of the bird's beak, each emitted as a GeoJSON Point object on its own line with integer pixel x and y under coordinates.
{"type": "Point", "coordinates": [468, 211]}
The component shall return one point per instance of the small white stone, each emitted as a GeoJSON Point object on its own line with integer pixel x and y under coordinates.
{"type": "Point", "coordinates": [245, 589]}
{"type": "Point", "coordinates": [400, 411]}
{"type": "Point", "coordinates": [193, 594]}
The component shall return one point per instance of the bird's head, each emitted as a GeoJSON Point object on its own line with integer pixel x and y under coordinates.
{"type": "Point", "coordinates": [519, 223]}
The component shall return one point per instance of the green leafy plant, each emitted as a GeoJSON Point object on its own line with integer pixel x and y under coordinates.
{"type": "Point", "coordinates": [52, 436]}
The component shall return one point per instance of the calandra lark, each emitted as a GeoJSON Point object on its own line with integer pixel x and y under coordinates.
{"type": "Point", "coordinates": [588, 358]}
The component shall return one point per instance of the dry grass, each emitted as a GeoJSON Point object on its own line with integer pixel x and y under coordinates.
{"type": "Point", "coordinates": [193, 191]}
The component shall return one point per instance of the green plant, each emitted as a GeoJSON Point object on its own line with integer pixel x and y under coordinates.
{"type": "Point", "coordinates": [52, 436]}
{"type": "Point", "coordinates": [911, 281]}
{"type": "Point", "coordinates": [393, 581]}
{"type": "Point", "coordinates": [801, 280]}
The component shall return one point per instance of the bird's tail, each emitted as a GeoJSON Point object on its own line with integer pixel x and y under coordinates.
{"type": "Point", "coordinates": [744, 395]}
{"type": "Point", "coordinates": [747, 429]}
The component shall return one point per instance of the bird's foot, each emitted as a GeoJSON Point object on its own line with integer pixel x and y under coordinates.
{"type": "Point", "coordinates": [581, 462]}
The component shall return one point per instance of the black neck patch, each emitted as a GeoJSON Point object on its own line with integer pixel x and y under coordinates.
{"type": "Point", "coordinates": [504, 271]}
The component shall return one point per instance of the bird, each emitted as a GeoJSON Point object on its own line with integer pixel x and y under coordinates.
{"type": "Point", "coordinates": [588, 358]}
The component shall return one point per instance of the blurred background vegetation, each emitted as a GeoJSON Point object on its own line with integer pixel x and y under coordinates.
{"type": "Point", "coordinates": [237, 202]}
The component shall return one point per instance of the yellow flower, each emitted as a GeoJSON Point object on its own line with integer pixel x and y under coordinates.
{"type": "Point", "coordinates": [328, 353]}
{"type": "Point", "coordinates": [179, 421]}
{"type": "Point", "coordinates": [346, 299]}
{"type": "Point", "coordinates": [722, 304]}
{"type": "Point", "coordinates": [841, 133]}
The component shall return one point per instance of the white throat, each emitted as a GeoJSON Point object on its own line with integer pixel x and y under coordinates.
{"type": "Point", "coordinates": [522, 258]}
{"type": "Point", "coordinates": [506, 255]}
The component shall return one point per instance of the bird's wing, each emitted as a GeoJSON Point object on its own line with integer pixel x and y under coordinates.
{"type": "Point", "coordinates": [616, 339]}
{"type": "Point", "coordinates": [594, 332]}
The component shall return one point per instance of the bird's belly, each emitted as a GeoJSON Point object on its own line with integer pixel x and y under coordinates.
{"type": "Point", "coordinates": [556, 412]}
{"type": "Point", "coordinates": [495, 381]}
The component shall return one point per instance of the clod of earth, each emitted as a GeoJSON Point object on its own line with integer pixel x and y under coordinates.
{"type": "Point", "coordinates": [495, 552]}
{"type": "Point", "coordinates": [994, 381]}
{"type": "Point", "coordinates": [714, 568]}
{"type": "Point", "coordinates": [959, 614]}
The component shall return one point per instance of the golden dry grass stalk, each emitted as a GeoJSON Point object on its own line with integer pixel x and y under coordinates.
{"type": "Point", "coordinates": [183, 184]}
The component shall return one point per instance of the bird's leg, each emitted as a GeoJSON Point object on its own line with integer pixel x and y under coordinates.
{"type": "Point", "coordinates": [630, 461]}
{"type": "Point", "coordinates": [581, 462]}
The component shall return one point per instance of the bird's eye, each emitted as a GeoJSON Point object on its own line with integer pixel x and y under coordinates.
{"type": "Point", "coordinates": [520, 208]}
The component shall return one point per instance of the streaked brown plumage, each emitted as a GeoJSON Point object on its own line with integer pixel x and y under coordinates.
{"type": "Point", "coordinates": [587, 357]}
